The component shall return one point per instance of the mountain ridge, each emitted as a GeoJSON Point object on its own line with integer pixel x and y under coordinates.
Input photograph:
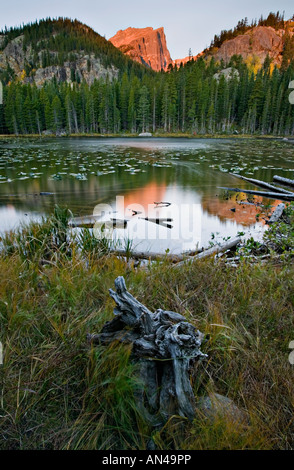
{"type": "Point", "coordinates": [272, 37]}
{"type": "Point", "coordinates": [70, 51]}
{"type": "Point", "coordinates": [62, 48]}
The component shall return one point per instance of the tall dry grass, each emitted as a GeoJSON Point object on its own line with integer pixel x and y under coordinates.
{"type": "Point", "coordinates": [59, 393]}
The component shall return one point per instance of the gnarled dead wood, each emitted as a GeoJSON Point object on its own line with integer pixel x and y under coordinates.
{"type": "Point", "coordinates": [165, 345]}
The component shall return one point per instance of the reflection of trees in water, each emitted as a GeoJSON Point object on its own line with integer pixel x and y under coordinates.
{"type": "Point", "coordinates": [244, 214]}
{"type": "Point", "coordinates": [185, 169]}
{"type": "Point", "coordinates": [83, 195]}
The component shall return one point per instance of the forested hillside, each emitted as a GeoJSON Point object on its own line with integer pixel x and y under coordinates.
{"type": "Point", "coordinates": [59, 45]}
{"type": "Point", "coordinates": [206, 96]}
{"type": "Point", "coordinates": [195, 99]}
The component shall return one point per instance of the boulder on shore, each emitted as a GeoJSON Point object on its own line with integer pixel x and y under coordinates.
{"type": "Point", "coordinates": [216, 405]}
{"type": "Point", "coordinates": [145, 134]}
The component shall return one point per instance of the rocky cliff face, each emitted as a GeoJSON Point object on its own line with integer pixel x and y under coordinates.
{"type": "Point", "coordinates": [84, 66]}
{"type": "Point", "coordinates": [144, 45]}
{"type": "Point", "coordinates": [260, 41]}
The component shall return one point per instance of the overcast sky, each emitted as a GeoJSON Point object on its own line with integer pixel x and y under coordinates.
{"type": "Point", "coordinates": [187, 23]}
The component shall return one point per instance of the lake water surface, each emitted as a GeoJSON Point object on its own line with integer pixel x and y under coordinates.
{"type": "Point", "coordinates": [132, 174]}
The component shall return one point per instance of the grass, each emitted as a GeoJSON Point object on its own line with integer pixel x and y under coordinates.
{"type": "Point", "coordinates": [60, 393]}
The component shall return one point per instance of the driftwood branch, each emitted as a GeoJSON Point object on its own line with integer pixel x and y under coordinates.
{"type": "Point", "coordinates": [228, 245]}
{"type": "Point", "coordinates": [270, 195]}
{"type": "Point", "coordinates": [149, 255]}
{"type": "Point", "coordinates": [262, 184]}
{"type": "Point", "coordinates": [184, 258]}
{"type": "Point", "coordinates": [165, 345]}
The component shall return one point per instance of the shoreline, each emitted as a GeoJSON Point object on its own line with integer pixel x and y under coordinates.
{"type": "Point", "coordinates": [288, 139]}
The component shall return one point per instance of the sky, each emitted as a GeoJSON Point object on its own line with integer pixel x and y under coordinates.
{"type": "Point", "coordinates": [187, 23]}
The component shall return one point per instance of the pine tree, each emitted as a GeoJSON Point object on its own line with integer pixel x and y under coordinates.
{"type": "Point", "coordinates": [144, 109]}
{"type": "Point", "coordinates": [57, 114]}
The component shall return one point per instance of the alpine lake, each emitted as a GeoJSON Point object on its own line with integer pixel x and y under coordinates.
{"type": "Point", "coordinates": [173, 182]}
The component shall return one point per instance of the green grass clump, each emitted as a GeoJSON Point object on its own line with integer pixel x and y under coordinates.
{"type": "Point", "coordinates": [280, 237]}
{"type": "Point", "coordinates": [60, 393]}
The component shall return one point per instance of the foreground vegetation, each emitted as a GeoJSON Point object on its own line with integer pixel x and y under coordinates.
{"type": "Point", "coordinates": [60, 393]}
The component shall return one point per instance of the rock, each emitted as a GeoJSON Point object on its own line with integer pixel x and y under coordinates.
{"type": "Point", "coordinates": [145, 134]}
{"type": "Point", "coordinates": [218, 406]}
{"type": "Point", "coordinates": [14, 55]}
{"type": "Point", "coordinates": [63, 73]}
{"type": "Point", "coordinates": [87, 67]}
{"type": "Point", "coordinates": [259, 41]}
{"type": "Point", "coordinates": [144, 45]}
{"type": "Point", "coordinates": [151, 445]}
{"type": "Point", "coordinates": [229, 73]}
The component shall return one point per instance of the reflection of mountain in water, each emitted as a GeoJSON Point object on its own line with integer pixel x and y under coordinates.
{"type": "Point", "coordinates": [91, 171]}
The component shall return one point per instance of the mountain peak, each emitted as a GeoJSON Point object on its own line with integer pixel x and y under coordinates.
{"type": "Point", "coordinates": [144, 45]}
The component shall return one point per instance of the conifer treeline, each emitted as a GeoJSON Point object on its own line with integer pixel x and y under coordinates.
{"type": "Point", "coordinates": [189, 99]}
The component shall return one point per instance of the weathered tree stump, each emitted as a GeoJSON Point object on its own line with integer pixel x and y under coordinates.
{"type": "Point", "coordinates": [165, 346]}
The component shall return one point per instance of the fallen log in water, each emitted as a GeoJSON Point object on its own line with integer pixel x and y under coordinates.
{"type": "Point", "coordinates": [270, 195]}
{"type": "Point", "coordinates": [262, 184]}
{"type": "Point", "coordinates": [165, 346]}
{"type": "Point", "coordinates": [285, 181]}
{"type": "Point", "coordinates": [162, 204]}
{"type": "Point", "coordinates": [278, 212]}
{"type": "Point", "coordinates": [228, 245]}
{"type": "Point", "coordinates": [84, 221]}
{"type": "Point", "coordinates": [89, 221]}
